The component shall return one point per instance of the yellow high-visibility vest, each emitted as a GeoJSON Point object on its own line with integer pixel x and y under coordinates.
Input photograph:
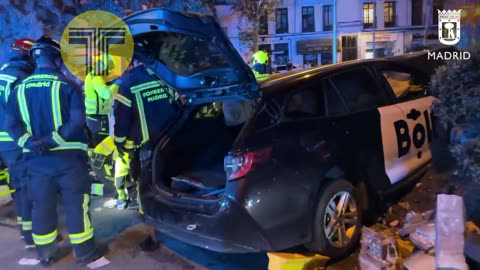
{"type": "Point", "coordinates": [98, 95]}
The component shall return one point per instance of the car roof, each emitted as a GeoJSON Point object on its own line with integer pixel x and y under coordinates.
{"type": "Point", "coordinates": [276, 82]}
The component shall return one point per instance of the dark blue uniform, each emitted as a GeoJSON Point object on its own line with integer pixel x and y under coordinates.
{"type": "Point", "coordinates": [46, 117]}
{"type": "Point", "coordinates": [10, 75]}
{"type": "Point", "coordinates": [144, 106]}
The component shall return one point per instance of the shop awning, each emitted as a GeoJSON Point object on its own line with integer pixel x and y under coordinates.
{"type": "Point", "coordinates": [321, 45]}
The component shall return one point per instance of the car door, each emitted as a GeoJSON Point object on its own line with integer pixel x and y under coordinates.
{"type": "Point", "coordinates": [361, 131]}
{"type": "Point", "coordinates": [194, 56]}
{"type": "Point", "coordinates": [408, 144]}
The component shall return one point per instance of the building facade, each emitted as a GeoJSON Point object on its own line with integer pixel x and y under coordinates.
{"type": "Point", "coordinates": [300, 31]}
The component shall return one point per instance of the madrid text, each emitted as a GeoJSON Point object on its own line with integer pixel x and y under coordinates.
{"type": "Point", "coordinates": [448, 55]}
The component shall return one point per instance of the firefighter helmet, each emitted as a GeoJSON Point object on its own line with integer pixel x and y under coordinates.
{"type": "Point", "coordinates": [22, 45]}
{"type": "Point", "coordinates": [46, 45]}
{"type": "Point", "coordinates": [143, 51]}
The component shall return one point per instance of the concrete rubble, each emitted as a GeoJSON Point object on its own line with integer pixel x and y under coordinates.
{"type": "Point", "coordinates": [378, 251]}
{"type": "Point", "coordinates": [428, 240]}
{"type": "Point", "coordinates": [413, 220]}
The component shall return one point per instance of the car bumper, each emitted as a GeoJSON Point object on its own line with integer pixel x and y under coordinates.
{"type": "Point", "coordinates": [221, 226]}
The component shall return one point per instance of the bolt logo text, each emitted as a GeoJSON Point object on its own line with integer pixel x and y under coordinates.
{"type": "Point", "coordinates": [418, 136]}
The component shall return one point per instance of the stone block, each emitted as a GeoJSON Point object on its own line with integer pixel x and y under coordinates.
{"type": "Point", "coordinates": [450, 228]}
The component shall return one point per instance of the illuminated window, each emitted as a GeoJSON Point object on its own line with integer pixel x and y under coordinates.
{"type": "Point", "coordinates": [308, 19]}
{"type": "Point", "coordinates": [389, 8]}
{"type": "Point", "coordinates": [327, 18]}
{"type": "Point", "coordinates": [368, 15]}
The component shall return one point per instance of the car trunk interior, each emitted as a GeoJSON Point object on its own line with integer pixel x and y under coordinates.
{"type": "Point", "coordinates": [192, 161]}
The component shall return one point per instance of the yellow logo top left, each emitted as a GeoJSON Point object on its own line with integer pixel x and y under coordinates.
{"type": "Point", "coordinates": [97, 43]}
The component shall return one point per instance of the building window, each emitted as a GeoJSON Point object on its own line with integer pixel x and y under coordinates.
{"type": "Point", "coordinates": [281, 15]}
{"type": "Point", "coordinates": [280, 50]}
{"type": "Point", "coordinates": [308, 19]}
{"type": "Point", "coordinates": [263, 25]}
{"type": "Point", "coordinates": [349, 48]}
{"type": "Point", "coordinates": [368, 15]}
{"type": "Point", "coordinates": [417, 12]}
{"type": "Point", "coordinates": [326, 58]}
{"type": "Point", "coordinates": [327, 18]}
{"type": "Point", "coordinates": [310, 60]}
{"type": "Point", "coordinates": [389, 8]}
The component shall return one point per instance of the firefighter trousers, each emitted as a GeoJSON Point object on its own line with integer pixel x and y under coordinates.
{"type": "Point", "coordinates": [17, 169]}
{"type": "Point", "coordinates": [63, 173]}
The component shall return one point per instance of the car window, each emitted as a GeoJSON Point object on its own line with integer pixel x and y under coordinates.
{"type": "Point", "coordinates": [358, 89]}
{"type": "Point", "coordinates": [406, 85]}
{"type": "Point", "coordinates": [306, 102]}
{"type": "Point", "coordinates": [335, 104]}
{"type": "Point", "coordinates": [186, 54]}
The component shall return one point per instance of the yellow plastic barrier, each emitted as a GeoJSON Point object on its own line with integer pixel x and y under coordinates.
{"type": "Point", "coordinates": [294, 261]}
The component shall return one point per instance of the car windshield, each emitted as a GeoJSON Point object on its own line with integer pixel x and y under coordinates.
{"type": "Point", "coordinates": [186, 54]}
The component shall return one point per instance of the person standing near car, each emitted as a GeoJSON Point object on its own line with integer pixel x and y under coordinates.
{"type": "Point", "coordinates": [142, 96]}
{"type": "Point", "coordinates": [260, 63]}
{"type": "Point", "coordinates": [20, 66]}
{"type": "Point", "coordinates": [99, 96]}
{"type": "Point", "coordinates": [144, 105]}
{"type": "Point", "coordinates": [46, 115]}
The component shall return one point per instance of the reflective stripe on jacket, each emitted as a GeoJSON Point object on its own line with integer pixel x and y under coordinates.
{"type": "Point", "coordinates": [144, 108]}
{"type": "Point", "coordinates": [50, 108]}
{"type": "Point", "coordinates": [10, 75]}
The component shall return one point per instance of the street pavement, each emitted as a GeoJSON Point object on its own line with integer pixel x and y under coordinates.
{"type": "Point", "coordinates": [122, 231]}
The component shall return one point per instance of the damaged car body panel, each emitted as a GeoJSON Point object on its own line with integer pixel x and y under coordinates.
{"type": "Point", "coordinates": [303, 163]}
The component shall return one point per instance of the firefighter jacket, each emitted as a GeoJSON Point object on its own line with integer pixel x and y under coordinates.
{"type": "Point", "coordinates": [11, 75]}
{"type": "Point", "coordinates": [47, 114]}
{"type": "Point", "coordinates": [98, 95]}
{"type": "Point", "coordinates": [144, 106]}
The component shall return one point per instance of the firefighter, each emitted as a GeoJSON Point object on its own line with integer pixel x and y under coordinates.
{"type": "Point", "coordinates": [99, 97]}
{"type": "Point", "coordinates": [142, 98]}
{"type": "Point", "coordinates": [46, 117]}
{"type": "Point", "coordinates": [20, 66]}
{"type": "Point", "coordinates": [122, 165]}
{"type": "Point", "coordinates": [260, 63]}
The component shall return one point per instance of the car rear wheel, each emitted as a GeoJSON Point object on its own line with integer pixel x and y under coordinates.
{"type": "Point", "coordinates": [338, 221]}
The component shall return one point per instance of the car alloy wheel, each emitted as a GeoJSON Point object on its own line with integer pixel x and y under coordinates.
{"type": "Point", "coordinates": [341, 219]}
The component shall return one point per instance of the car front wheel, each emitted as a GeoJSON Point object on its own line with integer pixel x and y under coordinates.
{"type": "Point", "coordinates": [338, 221]}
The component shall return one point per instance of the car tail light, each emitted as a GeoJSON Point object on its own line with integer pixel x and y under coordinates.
{"type": "Point", "coordinates": [239, 164]}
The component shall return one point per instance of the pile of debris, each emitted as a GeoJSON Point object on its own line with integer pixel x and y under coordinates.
{"type": "Point", "coordinates": [428, 240]}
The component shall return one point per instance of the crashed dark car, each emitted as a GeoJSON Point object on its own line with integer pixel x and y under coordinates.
{"type": "Point", "coordinates": [319, 151]}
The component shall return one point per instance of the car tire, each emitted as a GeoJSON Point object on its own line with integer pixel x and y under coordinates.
{"type": "Point", "coordinates": [327, 216]}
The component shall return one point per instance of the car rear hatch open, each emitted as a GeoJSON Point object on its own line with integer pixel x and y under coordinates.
{"type": "Point", "coordinates": [196, 57]}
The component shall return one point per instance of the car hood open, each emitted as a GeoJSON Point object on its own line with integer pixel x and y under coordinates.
{"type": "Point", "coordinates": [194, 55]}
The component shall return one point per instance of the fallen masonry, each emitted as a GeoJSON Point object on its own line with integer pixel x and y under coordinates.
{"type": "Point", "coordinates": [428, 240]}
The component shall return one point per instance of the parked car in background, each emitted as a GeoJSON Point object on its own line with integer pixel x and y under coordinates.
{"type": "Point", "coordinates": [321, 150]}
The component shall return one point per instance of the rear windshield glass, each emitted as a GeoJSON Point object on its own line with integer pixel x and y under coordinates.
{"type": "Point", "coordinates": [186, 54]}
